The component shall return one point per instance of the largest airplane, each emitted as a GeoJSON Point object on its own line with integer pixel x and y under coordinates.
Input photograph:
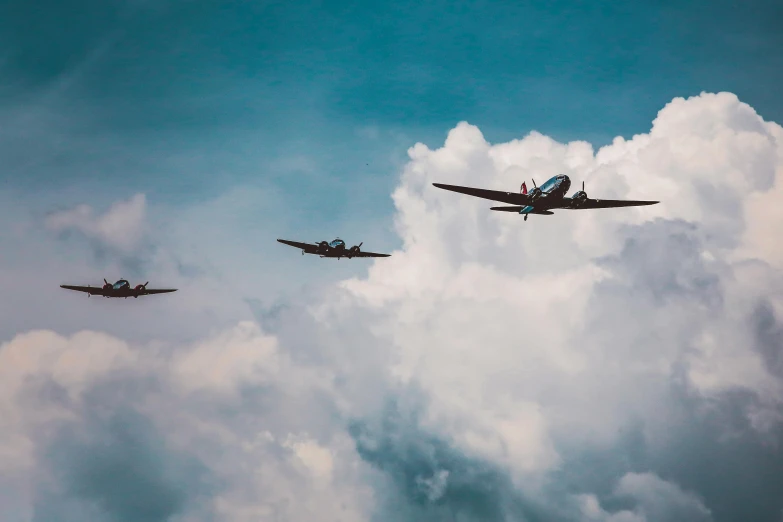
{"type": "Point", "coordinates": [542, 200]}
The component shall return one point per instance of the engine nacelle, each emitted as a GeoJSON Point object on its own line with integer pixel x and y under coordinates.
{"type": "Point", "coordinates": [139, 288]}
{"type": "Point", "coordinates": [323, 247]}
{"type": "Point", "coordinates": [353, 251]}
{"type": "Point", "coordinates": [534, 194]}
{"type": "Point", "coordinates": [578, 199]}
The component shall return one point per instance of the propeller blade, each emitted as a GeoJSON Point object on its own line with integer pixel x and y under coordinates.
{"type": "Point", "coordinates": [145, 284]}
{"type": "Point", "coordinates": [105, 281]}
{"type": "Point", "coordinates": [360, 244]}
{"type": "Point", "coordinates": [534, 183]}
{"type": "Point", "coordinates": [583, 185]}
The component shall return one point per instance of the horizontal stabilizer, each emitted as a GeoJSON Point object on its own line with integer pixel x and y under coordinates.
{"type": "Point", "coordinates": [517, 209]}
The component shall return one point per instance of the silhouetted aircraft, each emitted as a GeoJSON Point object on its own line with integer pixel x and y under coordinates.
{"type": "Point", "coordinates": [119, 289]}
{"type": "Point", "coordinates": [544, 199]}
{"type": "Point", "coordinates": [334, 249]}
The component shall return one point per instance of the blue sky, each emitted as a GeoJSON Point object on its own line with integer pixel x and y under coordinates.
{"type": "Point", "coordinates": [179, 99]}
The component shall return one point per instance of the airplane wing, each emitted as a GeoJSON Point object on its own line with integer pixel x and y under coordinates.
{"type": "Point", "coordinates": [157, 291]}
{"type": "Point", "coordinates": [92, 290]}
{"type": "Point", "coordinates": [370, 254]}
{"type": "Point", "coordinates": [608, 203]}
{"type": "Point", "coordinates": [310, 248]}
{"type": "Point", "coordinates": [493, 195]}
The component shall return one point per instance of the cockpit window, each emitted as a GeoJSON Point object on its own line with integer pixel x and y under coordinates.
{"type": "Point", "coordinates": [119, 284]}
{"type": "Point", "coordinates": [336, 243]}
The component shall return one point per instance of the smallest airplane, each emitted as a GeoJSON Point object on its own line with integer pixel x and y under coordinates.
{"type": "Point", "coordinates": [121, 288]}
{"type": "Point", "coordinates": [334, 249]}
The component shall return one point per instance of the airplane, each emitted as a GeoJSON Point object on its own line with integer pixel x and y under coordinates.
{"type": "Point", "coordinates": [121, 288]}
{"type": "Point", "coordinates": [334, 249]}
{"type": "Point", "coordinates": [542, 200]}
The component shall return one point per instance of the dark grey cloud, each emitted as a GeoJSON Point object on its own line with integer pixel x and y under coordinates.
{"type": "Point", "coordinates": [768, 337]}
{"type": "Point", "coordinates": [715, 451]}
{"type": "Point", "coordinates": [426, 478]}
{"type": "Point", "coordinates": [112, 463]}
{"type": "Point", "coordinates": [713, 466]}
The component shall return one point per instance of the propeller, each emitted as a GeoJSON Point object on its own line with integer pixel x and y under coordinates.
{"type": "Point", "coordinates": [579, 197]}
{"type": "Point", "coordinates": [536, 192]}
{"type": "Point", "coordinates": [105, 281]}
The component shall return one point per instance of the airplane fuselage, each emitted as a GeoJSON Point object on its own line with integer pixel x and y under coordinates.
{"type": "Point", "coordinates": [554, 189]}
{"type": "Point", "coordinates": [334, 249]}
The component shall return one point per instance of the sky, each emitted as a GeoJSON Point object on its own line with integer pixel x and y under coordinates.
{"type": "Point", "coordinates": [619, 365]}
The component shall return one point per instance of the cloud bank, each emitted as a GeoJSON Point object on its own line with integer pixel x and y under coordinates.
{"type": "Point", "coordinates": [608, 365]}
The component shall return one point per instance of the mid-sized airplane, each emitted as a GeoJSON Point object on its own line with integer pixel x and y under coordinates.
{"type": "Point", "coordinates": [542, 200]}
{"type": "Point", "coordinates": [121, 288]}
{"type": "Point", "coordinates": [334, 249]}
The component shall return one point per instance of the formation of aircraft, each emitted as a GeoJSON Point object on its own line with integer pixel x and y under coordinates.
{"type": "Point", "coordinates": [335, 248]}
{"type": "Point", "coordinates": [542, 200]}
{"type": "Point", "coordinates": [121, 288]}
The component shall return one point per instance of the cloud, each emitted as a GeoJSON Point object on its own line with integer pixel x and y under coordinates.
{"type": "Point", "coordinates": [117, 463]}
{"type": "Point", "coordinates": [661, 501]}
{"type": "Point", "coordinates": [653, 499]}
{"type": "Point", "coordinates": [530, 340]}
{"type": "Point", "coordinates": [614, 365]}
{"type": "Point", "coordinates": [121, 227]}
{"type": "Point", "coordinates": [105, 429]}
